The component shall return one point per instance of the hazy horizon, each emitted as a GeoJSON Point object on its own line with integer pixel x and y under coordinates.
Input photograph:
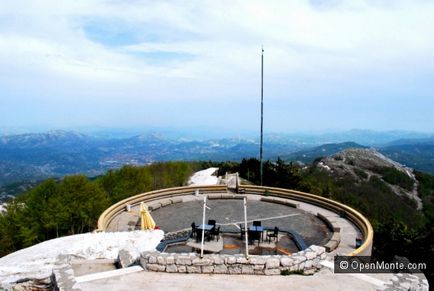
{"type": "Point", "coordinates": [199, 133]}
{"type": "Point", "coordinates": [329, 65]}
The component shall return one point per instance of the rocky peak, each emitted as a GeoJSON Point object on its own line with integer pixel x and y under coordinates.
{"type": "Point", "coordinates": [361, 164]}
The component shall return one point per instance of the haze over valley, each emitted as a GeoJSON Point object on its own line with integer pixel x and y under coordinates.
{"type": "Point", "coordinates": [28, 158]}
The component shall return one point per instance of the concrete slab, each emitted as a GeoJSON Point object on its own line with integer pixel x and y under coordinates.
{"type": "Point", "coordinates": [85, 267]}
{"type": "Point", "coordinates": [229, 214]}
{"type": "Point", "coordinates": [323, 280]}
{"type": "Point", "coordinates": [208, 246]}
{"type": "Point", "coordinates": [109, 274]}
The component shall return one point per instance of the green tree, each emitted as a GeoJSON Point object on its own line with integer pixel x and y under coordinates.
{"type": "Point", "coordinates": [84, 203]}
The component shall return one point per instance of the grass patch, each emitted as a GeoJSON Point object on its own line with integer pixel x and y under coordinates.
{"type": "Point", "coordinates": [288, 272]}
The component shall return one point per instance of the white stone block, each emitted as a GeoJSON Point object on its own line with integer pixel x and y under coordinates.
{"type": "Point", "coordinates": [161, 260]}
{"type": "Point", "coordinates": [182, 269]}
{"type": "Point", "coordinates": [171, 269]}
{"type": "Point", "coordinates": [231, 260]}
{"type": "Point", "coordinates": [234, 269]}
{"type": "Point", "coordinates": [201, 262]}
{"type": "Point", "coordinates": [286, 261]}
{"type": "Point", "coordinates": [247, 269]}
{"type": "Point", "coordinates": [152, 259]}
{"type": "Point", "coordinates": [218, 260]}
{"type": "Point", "coordinates": [183, 260]}
{"type": "Point", "coordinates": [207, 269]}
{"type": "Point", "coordinates": [193, 269]}
{"type": "Point", "coordinates": [170, 260]}
{"type": "Point", "coordinates": [272, 263]}
{"type": "Point", "coordinates": [220, 269]}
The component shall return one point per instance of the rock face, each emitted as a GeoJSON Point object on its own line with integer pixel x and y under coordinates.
{"type": "Point", "coordinates": [365, 159]}
{"type": "Point", "coordinates": [362, 164]}
{"type": "Point", "coordinates": [127, 258]}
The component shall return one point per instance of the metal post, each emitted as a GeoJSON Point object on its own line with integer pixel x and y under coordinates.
{"type": "Point", "coordinates": [245, 227]}
{"type": "Point", "coordinates": [262, 113]}
{"type": "Point", "coordinates": [203, 226]}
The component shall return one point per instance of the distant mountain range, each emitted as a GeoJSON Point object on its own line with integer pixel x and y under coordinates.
{"type": "Point", "coordinates": [417, 154]}
{"type": "Point", "coordinates": [36, 156]}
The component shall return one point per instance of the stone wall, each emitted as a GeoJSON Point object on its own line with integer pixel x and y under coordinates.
{"type": "Point", "coordinates": [404, 282]}
{"type": "Point", "coordinates": [305, 261]}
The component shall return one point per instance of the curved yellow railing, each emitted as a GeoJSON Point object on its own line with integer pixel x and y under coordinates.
{"type": "Point", "coordinates": [356, 217]}
{"type": "Point", "coordinates": [107, 216]}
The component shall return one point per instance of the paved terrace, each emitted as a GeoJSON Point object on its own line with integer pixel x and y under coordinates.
{"type": "Point", "coordinates": [172, 216]}
{"type": "Point", "coordinates": [229, 213]}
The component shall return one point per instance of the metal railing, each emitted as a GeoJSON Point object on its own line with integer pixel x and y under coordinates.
{"type": "Point", "coordinates": [353, 215]}
{"type": "Point", "coordinates": [107, 216]}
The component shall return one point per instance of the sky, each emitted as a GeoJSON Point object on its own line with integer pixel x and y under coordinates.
{"type": "Point", "coordinates": [328, 65]}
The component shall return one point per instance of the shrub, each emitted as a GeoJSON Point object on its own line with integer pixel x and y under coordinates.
{"type": "Point", "coordinates": [288, 272]}
{"type": "Point", "coordinates": [395, 177]}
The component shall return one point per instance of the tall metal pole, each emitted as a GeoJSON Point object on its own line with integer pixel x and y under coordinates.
{"type": "Point", "coordinates": [245, 227]}
{"type": "Point", "coordinates": [203, 226]}
{"type": "Point", "coordinates": [262, 113]}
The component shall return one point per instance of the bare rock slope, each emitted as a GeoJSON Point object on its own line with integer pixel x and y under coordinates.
{"type": "Point", "coordinates": [362, 164]}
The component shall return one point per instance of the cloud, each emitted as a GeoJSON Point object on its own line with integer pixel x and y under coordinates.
{"type": "Point", "coordinates": [316, 51]}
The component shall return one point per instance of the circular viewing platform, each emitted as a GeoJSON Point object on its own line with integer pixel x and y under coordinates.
{"type": "Point", "coordinates": [303, 220]}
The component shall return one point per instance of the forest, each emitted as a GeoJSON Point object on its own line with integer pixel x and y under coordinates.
{"type": "Point", "coordinates": [73, 204]}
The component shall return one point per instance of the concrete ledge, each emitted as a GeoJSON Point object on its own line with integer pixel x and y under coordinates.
{"type": "Point", "coordinates": [331, 245]}
{"type": "Point", "coordinates": [214, 196]}
{"type": "Point", "coordinates": [336, 237]}
{"type": "Point", "coordinates": [166, 203]}
{"type": "Point", "coordinates": [279, 201]}
{"type": "Point", "coordinates": [176, 200]}
{"type": "Point", "coordinates": [334, 242]}
{"type": "Point", "coordinates": [91, 262]}
{"type": "Point", "coordinates": [62, 277]}
{"type": "Point", "coordinates": [224, 196]}
{"type": "Point", "coordinates": [108, 274]}
{"type": "Point", "coordinates": [154, 206]}
{"type": "Point", "coordinates": [228, 196]}
{"type": "Point", "coordinates": [331, 224]}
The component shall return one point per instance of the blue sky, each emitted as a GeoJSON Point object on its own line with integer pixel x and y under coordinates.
{"type": "Point", "coordinates": [329, 65]}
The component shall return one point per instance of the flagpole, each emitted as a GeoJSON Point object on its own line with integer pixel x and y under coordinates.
{"type": "Point", "coordinates": [245, 227]}
{"type": "Point", "coordinates": [262, 114]}
{"type": "Point", "coordinates": [203, 226]}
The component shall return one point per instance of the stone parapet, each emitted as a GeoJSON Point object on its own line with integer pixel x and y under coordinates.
{"type": "Point", "coordinates": [303, 261]}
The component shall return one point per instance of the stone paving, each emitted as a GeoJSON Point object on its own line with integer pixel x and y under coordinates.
{"type": "Point", "coordinates": [229, 213]}
{"type": "Point", "coordinates": [179, 216]}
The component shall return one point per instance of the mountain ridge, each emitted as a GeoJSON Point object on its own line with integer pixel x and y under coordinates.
{"type": "Point", "coordinates": [362, 164]}
{"type": "Point", "coordinates": [36, 156]}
